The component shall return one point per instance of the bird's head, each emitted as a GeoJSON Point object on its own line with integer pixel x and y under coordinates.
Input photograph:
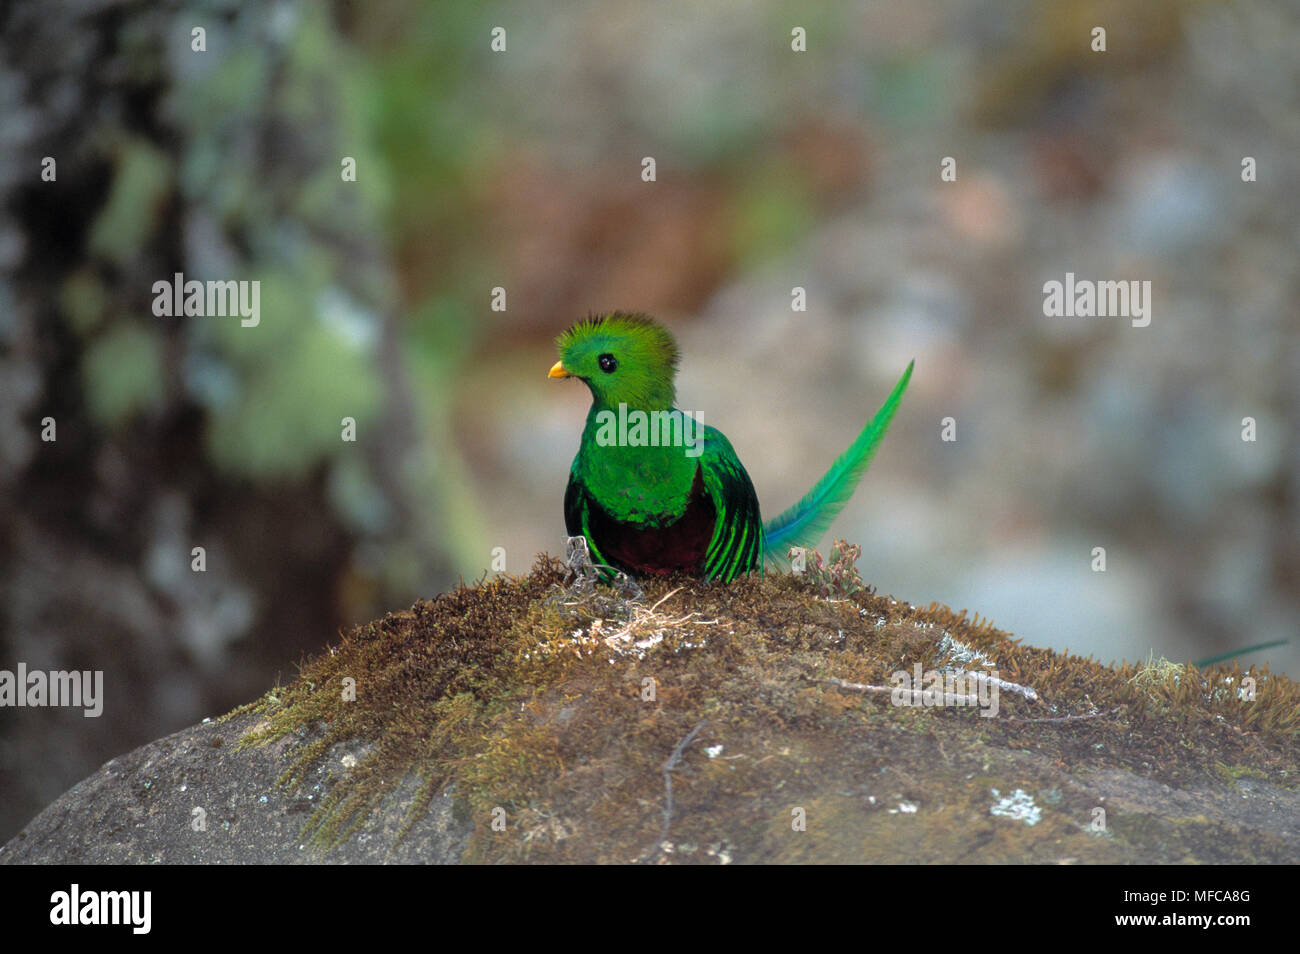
{"type": "Point", "coordinates": [623, 358]}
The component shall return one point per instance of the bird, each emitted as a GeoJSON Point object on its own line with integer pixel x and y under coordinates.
{"type": "Point", "coordinates": [653, 490]}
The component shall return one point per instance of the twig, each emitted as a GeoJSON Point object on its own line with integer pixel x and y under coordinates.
{"type": "Point", "coordinates": [664, 597]}
{"type": "Point", "coordinates": [980, 677]}
{"type": "Point", "coordinates": [668, 782]}
{"type": "Point", "coordinates": [1004, 684]}
{"type": "Point", "coordinates": [919, 696]}
{"type": "Point", "coordinates": [1071, 718]}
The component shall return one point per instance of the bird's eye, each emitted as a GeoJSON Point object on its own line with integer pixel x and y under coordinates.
{"type": "Point", "coordinates": [608, 363]}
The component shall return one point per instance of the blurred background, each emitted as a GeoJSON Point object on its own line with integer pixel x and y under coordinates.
{"type": "Point", "coordinates": [521, 169]}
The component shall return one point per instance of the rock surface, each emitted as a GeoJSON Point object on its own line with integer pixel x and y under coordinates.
{"type": "Point", "coordinates": [540, 744]}
{"type": "Point", "coordinates": [140, 808]}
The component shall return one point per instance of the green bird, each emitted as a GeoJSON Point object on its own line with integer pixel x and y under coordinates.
{"type": "Point", "coordinates": [653, 490]}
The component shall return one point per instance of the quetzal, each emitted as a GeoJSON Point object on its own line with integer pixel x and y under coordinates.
{"type": "Point", "coordinates": [673, 505]}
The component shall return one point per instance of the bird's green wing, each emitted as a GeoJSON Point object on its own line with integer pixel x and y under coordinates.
{"type": "Point", "coordinates": [737, 542]}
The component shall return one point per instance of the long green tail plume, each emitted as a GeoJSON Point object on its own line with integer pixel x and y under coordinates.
{"type": "Point", "coordinates": [805, 522]}
{"type": "Point", "coordinates": [1224, 657]}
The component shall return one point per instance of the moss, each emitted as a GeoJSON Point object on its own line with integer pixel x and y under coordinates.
{"type": "Point", "coordinates": [559, 709]}
{"type": "Point", "coordinates": [1230, 773]}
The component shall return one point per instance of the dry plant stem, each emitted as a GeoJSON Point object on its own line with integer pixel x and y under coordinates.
{"type": "Point", "coordinates": [646, 618]}
{"type": "Point", "coordinates": [918, 696]}
{"type": "Point", "coordinates": [668, 779]}
{"type": "Point", "coordinates": [1003, 684]}
{"type": "Point", "coordinates": [1072, 718]}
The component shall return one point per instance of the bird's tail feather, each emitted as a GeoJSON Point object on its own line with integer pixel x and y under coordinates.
{"type": "Point", "coordinates": [805, 522]}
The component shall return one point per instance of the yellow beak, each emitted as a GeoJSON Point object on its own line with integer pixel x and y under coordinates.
{"type": "Point", "coordinates": [558, 371]}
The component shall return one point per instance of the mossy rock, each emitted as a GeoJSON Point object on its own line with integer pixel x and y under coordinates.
{"type": "Point", "coordinates": [523, 720]}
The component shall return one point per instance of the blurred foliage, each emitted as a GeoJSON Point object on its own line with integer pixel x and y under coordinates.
{"type": "Point", "coordinates": [417, 56]}
{"type": "Point", "coordinates": [123, 374]}
{"type": "Point", "coordinates": [141, 181]}
{"type": "Point", "coordinates": [242, 168]}
{"type": "Point", "coordinates": [774, 208]}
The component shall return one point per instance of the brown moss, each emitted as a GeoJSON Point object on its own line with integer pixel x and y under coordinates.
{"type": "Point", "coordinates": [532, 699]}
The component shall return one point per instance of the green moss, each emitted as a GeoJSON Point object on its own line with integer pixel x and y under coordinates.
{"type": "Point", "coordinates": [519, 695]}
{"type": "Point", "coordinates": [1230, 773]}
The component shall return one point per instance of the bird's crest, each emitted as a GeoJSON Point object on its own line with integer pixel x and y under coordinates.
{"type": "Point", "coordinates": [637, 327]}
{"type": "Point", "coordinates": [622, 357]}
